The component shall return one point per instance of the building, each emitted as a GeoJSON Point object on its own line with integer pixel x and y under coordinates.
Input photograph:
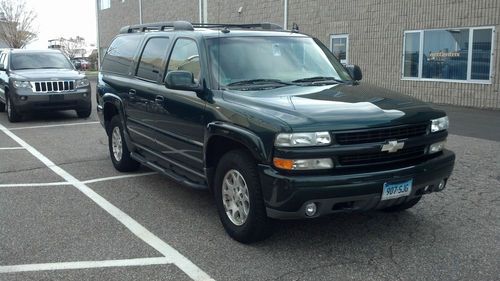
{"type": "Point", "coordinates": [441, 51]}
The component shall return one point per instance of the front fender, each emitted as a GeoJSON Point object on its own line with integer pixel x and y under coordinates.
{"type": "Point", "coordinates": [241, 135]}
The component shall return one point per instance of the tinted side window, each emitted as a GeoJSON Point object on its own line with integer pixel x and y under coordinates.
{"type": "Point", "coordinates": [151, 60]}
{"type": "Point", "coordinates": [185, 56]}
{"type": "Point", "coordinates": [120, 54]}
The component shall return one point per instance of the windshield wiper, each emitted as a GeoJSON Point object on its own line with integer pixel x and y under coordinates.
{"type": "Point", "coordinates": [258, 82]}
{"type": "Point", "coordinates": [319, 80]}
{"type": "Point", "coordinates": [50, 67]}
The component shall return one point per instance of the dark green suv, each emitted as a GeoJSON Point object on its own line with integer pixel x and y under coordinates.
{"type": "Point", "coordinates": [269, 121]}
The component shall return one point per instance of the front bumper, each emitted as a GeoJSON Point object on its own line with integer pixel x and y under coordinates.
{"type": "Point", "coordinates": [286, 196]}
{"type": "Point", "coordinates": [78, 99]}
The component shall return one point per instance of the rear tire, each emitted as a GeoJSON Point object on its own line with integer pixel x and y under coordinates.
{"type": "Point", "coordinates": [85, 113]}
{"type": "Point", "coordinates": [118, 150]}
{"type": "Point", "coordinates": [238, 197]}
{"type": "Point", "coordinates": [403, 206]}
{"type": "Point", "coordinates": [12, 113]}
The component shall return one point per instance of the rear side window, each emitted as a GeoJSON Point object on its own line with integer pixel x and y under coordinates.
{"type": "Point", "coordinates": [120, 54]}
{"type": "Point", "coordinates": [151, 61]}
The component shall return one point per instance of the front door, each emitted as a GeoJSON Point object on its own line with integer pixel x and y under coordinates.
{"type": "Point", "coordinates": [181, 127]}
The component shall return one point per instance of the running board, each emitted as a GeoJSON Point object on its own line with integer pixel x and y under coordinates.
{"type": "Point", "coordinates": [171, 174]}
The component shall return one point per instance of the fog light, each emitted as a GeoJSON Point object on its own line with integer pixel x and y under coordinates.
{"type": "Point", "coordinates": [427, 188]}
{"type": "Point", "coordinates": [311, 209]}
{"type": "Point", "coordinates": [441, 185]}
{"type": "Point", "coordinates": [23, 98]}
{"type": "Point", "coordinates": [84, 95]}
{"type": "Point", "coordinates": [436, 147]}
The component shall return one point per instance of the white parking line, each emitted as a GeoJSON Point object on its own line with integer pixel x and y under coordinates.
{"type": "Point", "coordinates": [183, 263]}
{"type": "Point", "coordinates": [55, 125]}
{"type": "Point", "coordinates": [82, 265]}
{"type": "Point", "coordinates": [34, 184]}
{"type": "Point", "coordinates": [11, 148]}
{"type": "Point", "coordinates": [119, 177]}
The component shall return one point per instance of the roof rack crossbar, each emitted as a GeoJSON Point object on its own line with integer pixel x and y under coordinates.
{"type": "Point", "coordinates": [184, 25]}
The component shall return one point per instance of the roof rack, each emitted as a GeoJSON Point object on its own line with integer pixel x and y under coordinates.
{"type": "Point", "coordinates": [187, 26]}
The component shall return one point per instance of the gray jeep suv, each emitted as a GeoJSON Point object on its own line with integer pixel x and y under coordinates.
{"type": "Point", "coordinates": [41, 80]}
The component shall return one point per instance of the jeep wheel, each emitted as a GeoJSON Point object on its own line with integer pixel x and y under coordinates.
{"type": "Point", "coordinates": [238, 197]}
{"type": "Point", "coordinates": [84, 113]}
{"type": "Point", "coordinates": [118, 150]}
{"type": "Point", "coordinates": [12, 113]}
{"type": "Point", "coordinates": [403, 206]}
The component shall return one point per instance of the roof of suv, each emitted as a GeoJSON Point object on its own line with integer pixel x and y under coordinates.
{"type": "Point", "coordinates": [33, 51]}
{"type": "Point", "coordinates": [211, 30]}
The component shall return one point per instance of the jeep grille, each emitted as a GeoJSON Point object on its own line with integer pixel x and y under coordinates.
{"type": "Point", "coordinates": [53, 86]}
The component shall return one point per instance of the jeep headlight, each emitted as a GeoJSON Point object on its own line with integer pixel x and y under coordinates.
{"type": "Point", "coordinates": [81, 83]}
{"type": "Point", "coordinates": [439, 124]}
{"type": "Point", "coordinates": [22, 84]}
{"type": "Point", "coordinates": [302, 139]}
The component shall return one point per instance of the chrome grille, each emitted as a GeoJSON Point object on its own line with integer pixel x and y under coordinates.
{"type": "Point", "coordinates": [53, 86]}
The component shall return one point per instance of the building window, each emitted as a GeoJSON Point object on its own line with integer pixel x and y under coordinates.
{"type": "Point", "coordinates": [104, 4]}
{"type": "Point", "coordinates": [448, 55]}
{"type": "Point", "coordinates": [339, 45]}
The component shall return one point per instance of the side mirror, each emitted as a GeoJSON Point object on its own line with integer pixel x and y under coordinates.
{"type": "Point", "coordinates": [354, 71]}
{"type": "Point", "coordinates": [2, 67]}
{"type": "Point", "coordinates": [181, 80]}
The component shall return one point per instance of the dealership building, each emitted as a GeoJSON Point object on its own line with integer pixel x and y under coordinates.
{"type": "Point", "coordinates": [441, 51]}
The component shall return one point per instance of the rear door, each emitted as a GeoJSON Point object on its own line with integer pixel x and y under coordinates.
{"type": "Point", "coordinates": [143, 107]}
{"type": "Point", "coordinates": [181, 126]}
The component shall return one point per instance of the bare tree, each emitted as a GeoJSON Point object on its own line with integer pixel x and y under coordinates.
{"type": "Point", "coordinates": [16, 23]}
{"type": "Point", "coordinates": [73, 47]}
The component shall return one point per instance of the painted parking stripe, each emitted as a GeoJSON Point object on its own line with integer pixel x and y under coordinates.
{"type": "Point", "coordinates": [82, 265]}
{"type": "Point", "coordinates": [34, 184]}
{"type": "Point", "coordinates": [184, 264]}
{"type": "Point", "coordinates": [55, 125]}
{"type": "Point", "coordinates": [119, 177]}
{"type": "Point", "coordinates": [12, 148]}
{"type": "Point", "coordinates": [62, 183]}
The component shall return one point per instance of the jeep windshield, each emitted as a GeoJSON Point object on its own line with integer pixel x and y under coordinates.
{"type": "Point", "coordinates": [253, 63]}
{"type": "Point", "coordinates": [21, 61]}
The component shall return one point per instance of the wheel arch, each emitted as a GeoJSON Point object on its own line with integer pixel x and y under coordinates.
{"type": "Point", "coordinates": [223, 137]}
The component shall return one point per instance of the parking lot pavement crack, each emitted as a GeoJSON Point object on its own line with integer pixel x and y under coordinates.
{"type": "Point", "coordinates": [22, 170]}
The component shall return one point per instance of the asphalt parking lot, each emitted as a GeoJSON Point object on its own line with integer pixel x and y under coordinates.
{"type": "Point", "coordinates": [66, 214]}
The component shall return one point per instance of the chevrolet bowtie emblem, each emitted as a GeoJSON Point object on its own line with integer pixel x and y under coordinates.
{"type": "Point", "coordinates": [392, 146]}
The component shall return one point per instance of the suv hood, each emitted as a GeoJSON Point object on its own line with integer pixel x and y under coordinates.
{"type": "Point", "coordinates": [335, 107]}
{"type": "Point", "coordinates": [46, 74]}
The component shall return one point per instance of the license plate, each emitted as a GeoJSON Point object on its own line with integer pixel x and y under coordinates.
{"type": "Point", "coordinates": [59, 97]}
{"type": "Point", "coordinates": [396, 190]}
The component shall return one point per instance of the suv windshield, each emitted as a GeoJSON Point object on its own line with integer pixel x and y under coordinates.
{"type": "Point", "coordinates": [21, 61]}
{"type": "Point", "coordinates": [279, 61]}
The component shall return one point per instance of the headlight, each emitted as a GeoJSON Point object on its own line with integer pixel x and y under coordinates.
{"type": "Point", "coordinates": [22, 84]}
{"type": "Point", "coordinates": [303, 139]}
{"type": "Point", "coordinates": [303, 164]}
{"type": "Point", "coordinates": [80, 83]}
{"type": "Point", "coordinates": [440, 124]}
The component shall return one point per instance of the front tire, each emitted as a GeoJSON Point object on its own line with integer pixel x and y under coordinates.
{"type": "Point", "coordinates": [12, 113]}
{"type": "Point", "coordinates": [118, 150]}
{"type": "Point", "coordinates": [238, 197]}
{"type": "Point", "coordinates": [403, 206]}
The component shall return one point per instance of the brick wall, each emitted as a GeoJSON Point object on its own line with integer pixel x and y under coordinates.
{"type": "Point", "coordinates": [375, 29]}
